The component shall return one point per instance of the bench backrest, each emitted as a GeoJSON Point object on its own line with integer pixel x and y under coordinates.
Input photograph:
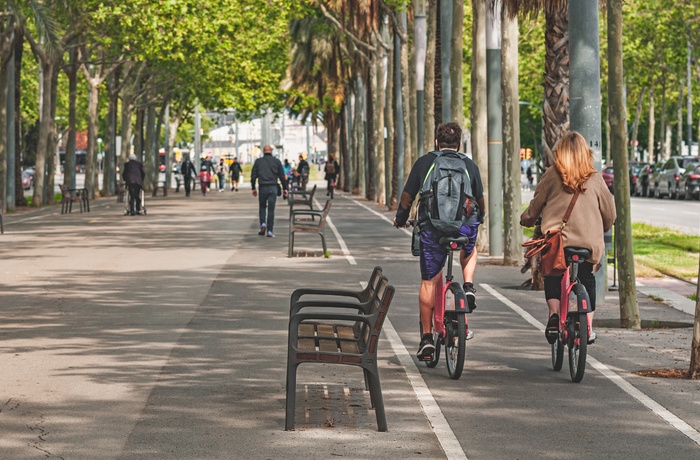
{"type": "Point", "coordinates": [326, 210]}
{"type": "Point", "coordinates": [380, 310]}
{"type": "Point", "coordinates": [372, 284]}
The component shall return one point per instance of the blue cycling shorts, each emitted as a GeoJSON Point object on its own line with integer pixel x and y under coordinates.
{"type": "Point", "coordinates": [433, 256]}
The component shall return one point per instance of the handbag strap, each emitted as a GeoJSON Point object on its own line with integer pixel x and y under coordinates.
{"type": "Point", "coordinates": [569, 209]}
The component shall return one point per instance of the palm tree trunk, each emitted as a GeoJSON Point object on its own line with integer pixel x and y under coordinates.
{"type": "Point", "coordinates": [629, 312]}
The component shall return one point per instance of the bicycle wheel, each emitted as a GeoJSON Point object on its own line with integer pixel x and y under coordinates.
{"type": "Point", "coordinates": [455, 330]}
{"type": "Point", "coordinates": [557, 355]}
{"type": "Point", "coordinates": [578, 349]}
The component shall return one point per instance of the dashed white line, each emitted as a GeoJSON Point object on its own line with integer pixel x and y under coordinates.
{"type": "Point", "coordinates": [623, 384]}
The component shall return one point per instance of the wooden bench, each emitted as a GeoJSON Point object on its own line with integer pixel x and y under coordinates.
{"type": "Point", "coordinates": [301, 198]}
{"type": "Point", "coordinates": [297, 223]}
{"type": "Point", "coordinates": [336, 336]}
{"type": "Point", "coordinates": [74, 195]}
{"type": "Point", "coordinates": [121, 191]}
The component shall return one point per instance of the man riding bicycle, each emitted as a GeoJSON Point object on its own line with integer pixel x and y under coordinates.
{"type": "Point", "coordinates": [432, 254]}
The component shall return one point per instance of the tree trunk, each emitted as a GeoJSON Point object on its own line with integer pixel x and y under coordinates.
{"type": "Point", "coordinates": [479, 117]}
{"type": "Point", "coordinates": [431, 79]}
{"type": "Point", "coordinates": [694, 370]}
{"type": "Point", "coordinates": [408, 104]}
{"type": "Point", "coordinates": [44, 133]}
{"type": "Point", "coordinates": [664, 152]}
{"type": "Point", "coordinates": [20, 199]}
{"type": "Point", "coordinates": [679, 125]}
{"type": "Point", "coordinates": [629, 311]}
{"type": "Point", "coordinates": [635, 126]}
{"type": "Point", "coordinates": [127, 111]}
{"type": "Point", "coordinates": [69, 165]}
{"type": "Point", "coordinates": [556, 79]}
{"type": "Point", "coordinates": [110, 160]}
{"type": "Point", "coordinates": [652, 123]}
{"type": "Point", "coordinates": [512, 233]}
{"type": "Point", "coordinates": [372, 140]}
{"type": "Point", "coordinates": [390, 152]}
{"type": "Point", "coordinates": [138, 135]}
{"type": "Point", "coordinates": [608, 149]}
{"type": "Point", "coordinates": [379, 126]}
{"type": "Point", "coordinates": [4, 69]}
{"type": "Point", "coordinates": [51, 150]}
{"type": "Point", "coordinates": [457, 99]}
{"type": "Point", "coordinates": [344, 151]}
{"type": "Point", "coordinates": [149, 163]}
{"type": "Point", "coordinates": [91, 165]}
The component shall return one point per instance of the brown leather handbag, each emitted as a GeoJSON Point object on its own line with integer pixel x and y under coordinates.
{"type": "Point", "coordinates": [551, 247]}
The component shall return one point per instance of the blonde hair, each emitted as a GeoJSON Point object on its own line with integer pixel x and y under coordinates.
{"type": "Point", "coordinates": [573, 161]}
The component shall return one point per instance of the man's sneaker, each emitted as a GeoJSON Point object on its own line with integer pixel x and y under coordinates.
{"type": "Point", "coordinates": [470, 292]}
{"type": "Point", "coordinates": [591, 336]}
{"type": "Point", "coordinates": [270, 234]}
{"type": "Point", "coordinates": [426, 349]}
{"type": "Point", "coordinates": [263, 229]}
{"type": "Point", "coordinates": [470, 334]}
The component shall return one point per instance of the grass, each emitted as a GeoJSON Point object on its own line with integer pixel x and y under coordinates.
{"type": "Point", "coordinates": [660, 251]}
{"type": "Point", "coordinates": [56, 199]}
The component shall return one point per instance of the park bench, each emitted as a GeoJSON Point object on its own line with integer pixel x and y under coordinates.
{"type": "Point", "coordinates": [333, 335]}
{"type": "Point", "coordinates": [74, 195]}
{"type": "Point", "coordinates": [162, 185]}
{"type": "Point", "coordinates": [299, 222]}
{"type": "Point", "coordinates": [121, 191]}
{"type": "Point", "coordinates": [363, 297]}
{"type": "Point", "coordinates": [301, 198]}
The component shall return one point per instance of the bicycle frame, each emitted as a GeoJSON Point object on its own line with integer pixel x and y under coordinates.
{"type": "Point", "coordinates": [440, 293]}
{"type": "Point", "coordinates": [568, 282]}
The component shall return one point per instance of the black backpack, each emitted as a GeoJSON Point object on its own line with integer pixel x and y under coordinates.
{"type": "Point", "coordinates": [446, 197]}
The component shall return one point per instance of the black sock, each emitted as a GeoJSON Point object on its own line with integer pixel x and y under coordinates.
{"type": "Point", "coordinates": [427, 335]}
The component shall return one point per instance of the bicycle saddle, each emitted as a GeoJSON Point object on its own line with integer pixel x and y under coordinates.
{"type": "Point", "coordinates": [448, 240]}
{"type": "Point", "coordinates": [576, 255]}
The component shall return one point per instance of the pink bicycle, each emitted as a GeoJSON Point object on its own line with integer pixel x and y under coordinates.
{"type": "Point", "coordinates": [574, 307]}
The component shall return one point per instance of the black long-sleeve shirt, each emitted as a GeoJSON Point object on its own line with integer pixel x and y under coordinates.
{"type": "Point", "coordinates": [266, 171]}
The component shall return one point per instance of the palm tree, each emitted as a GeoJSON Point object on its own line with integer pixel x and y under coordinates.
{"type": "Point", "coordinates": [556, 81]}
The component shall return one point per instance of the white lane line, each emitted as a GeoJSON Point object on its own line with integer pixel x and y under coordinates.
{"type": "Point", "coordinates": [341, 241]}
{"type": "Point", "coordinates": [442, 429]}
{"type": "Point", "coordinates": [623, 384]}
{"type": "Point", "coordinates": [431, 409]}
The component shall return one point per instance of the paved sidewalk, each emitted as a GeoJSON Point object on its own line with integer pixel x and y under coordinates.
{"type": "Point", "coordinates": [164, 336]}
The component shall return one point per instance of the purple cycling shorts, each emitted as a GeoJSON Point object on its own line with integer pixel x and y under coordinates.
{"type": "Point", "coordinates": [433, 256]}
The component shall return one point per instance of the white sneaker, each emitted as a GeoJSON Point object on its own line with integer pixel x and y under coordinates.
{"type": "Point", "coordinates": [470, 334]}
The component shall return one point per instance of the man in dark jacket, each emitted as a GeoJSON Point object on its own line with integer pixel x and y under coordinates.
{"type": "Point", "coordinates": [267, 170]}
{"type": "Point", "coordinates": [302, 173]}
{"type": "Point", "coordinates": [133, 175]}
{"type": "Point", "coordinates": [236, 171]}
{"type": "Point", "coordinates": [189, 173]}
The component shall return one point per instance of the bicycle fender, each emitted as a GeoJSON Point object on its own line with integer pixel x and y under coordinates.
{"type": "Point", "coordinates": [583, 300]}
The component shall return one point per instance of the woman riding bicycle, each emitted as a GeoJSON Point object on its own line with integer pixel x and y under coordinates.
{"type": "Point", "coordinates": [593, 214]}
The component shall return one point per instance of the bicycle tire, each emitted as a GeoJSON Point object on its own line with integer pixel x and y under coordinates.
{"type": "Point", "coordinates": [578, 350]}
{"type": "Point", "coordinates": [557, 355]}
{"type": "Point", "coordinates": [455, 330]}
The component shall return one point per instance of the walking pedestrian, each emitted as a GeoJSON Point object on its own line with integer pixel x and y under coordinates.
{"type": "Point", "coordinates": [133, 175]}
{"type": "Point", "coordinates": [205, 171]}
{"type": "Point", "coordinates": [267, 170]}
{"type": "Point", "coordinates": [189, 173]}
{"type": "Point", "coordinates": [235, 171]}
{"type": "Point", "coordinates": [302, 172]}
{"type": "Point", "coordinates": [221, 173]}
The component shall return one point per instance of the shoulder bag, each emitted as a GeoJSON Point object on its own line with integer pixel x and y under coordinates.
{"type": "Point", "coordinates": [551, 247]}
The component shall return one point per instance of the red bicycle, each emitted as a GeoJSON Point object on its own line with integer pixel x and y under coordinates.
{"type": "Point", "coordinates": [574, 307]}
{"type": "Point", "coordinates": [450, 324]}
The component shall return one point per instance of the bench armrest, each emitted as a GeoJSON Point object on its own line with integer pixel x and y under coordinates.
{"type": "Point", "coordinates": [362, 307]}
{"type": "Point", "coordinates": [306, 212]}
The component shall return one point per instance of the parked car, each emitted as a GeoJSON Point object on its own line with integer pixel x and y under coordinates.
{"type": "Point", "coordinates": [673, 168]}
{"type": "Point", "coordinates": [653, 178]}
{"type": "Point", "coordinates": [634, 168]}
{"type": "Point", "coordinates": [689, 182]}
{"type": "Point", "coordinates": [641, 180]}
{"type": "Point", "coordinates": [608, 177]}
{"type": "Point", "coordinates": [27, 179]}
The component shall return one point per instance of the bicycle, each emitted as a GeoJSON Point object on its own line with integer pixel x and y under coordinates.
{"type": "Point", "coordinates": [573, 324]}
{"type": "Point", "coordinates": [450, 324]}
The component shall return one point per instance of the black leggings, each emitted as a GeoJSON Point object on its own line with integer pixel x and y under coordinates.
{"type": "Point", "coordinates": [552, 284]}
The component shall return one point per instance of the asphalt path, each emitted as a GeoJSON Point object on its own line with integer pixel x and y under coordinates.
{"type": "Point", "coordinates": [164, 336]}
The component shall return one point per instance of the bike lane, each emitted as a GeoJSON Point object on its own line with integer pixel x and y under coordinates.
{"type": "Point", "coordinates": [509, 403]}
